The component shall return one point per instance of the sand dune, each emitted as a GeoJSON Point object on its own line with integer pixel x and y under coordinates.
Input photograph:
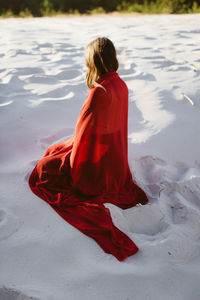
{"type": "Point", "coordinates": [42, 90]}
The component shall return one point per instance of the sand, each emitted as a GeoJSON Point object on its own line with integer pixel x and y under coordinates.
{"type": "Point", "coordinates": [42, 86]}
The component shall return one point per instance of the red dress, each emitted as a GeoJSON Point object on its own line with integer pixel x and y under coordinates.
{"type": "Point", "coordinates": [78, 176]}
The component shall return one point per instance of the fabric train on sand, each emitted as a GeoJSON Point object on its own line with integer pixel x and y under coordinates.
{"type": "Point", "coordinates": [78, 176]}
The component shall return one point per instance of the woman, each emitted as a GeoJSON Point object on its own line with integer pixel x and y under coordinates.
{"type": "Point", "coordinates": [78, 176]}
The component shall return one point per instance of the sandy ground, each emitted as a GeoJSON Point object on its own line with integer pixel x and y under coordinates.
{"type": "Point", "coordinates": [42, 90]}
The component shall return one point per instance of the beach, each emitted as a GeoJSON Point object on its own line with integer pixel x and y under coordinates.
{"type": "Point", "coordinates": [42, 90]}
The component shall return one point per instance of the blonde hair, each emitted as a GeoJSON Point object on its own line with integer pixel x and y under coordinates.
{"type": "Point", "coordinates": [100, 58]}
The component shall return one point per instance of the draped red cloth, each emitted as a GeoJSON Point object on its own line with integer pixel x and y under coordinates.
{"type": "Point", "coordinates": [76, 177]}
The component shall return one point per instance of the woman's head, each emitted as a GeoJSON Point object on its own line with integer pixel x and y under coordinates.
{"type": "Point", "coordinates": [100, 58]}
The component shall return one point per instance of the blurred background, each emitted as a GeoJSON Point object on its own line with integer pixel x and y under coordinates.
{"type": "Point", "coordinates": [39, 8]}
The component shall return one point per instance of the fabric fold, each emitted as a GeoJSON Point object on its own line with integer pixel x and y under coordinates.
{"type": "Point", "coordinates": [76, 177]}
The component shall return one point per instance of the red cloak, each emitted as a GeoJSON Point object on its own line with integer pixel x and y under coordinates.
{"type": "Point", "coordinates": [78, 176]}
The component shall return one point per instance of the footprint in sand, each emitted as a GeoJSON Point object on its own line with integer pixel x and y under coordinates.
{"type": "Point", "coordinates": [146, 219]}
{"type": "Point", "coordinates": [170, 227]}
{"type": "Point", "coordinates": [11, 294]}
{"type": "Point", "coordinates": [9, 224]}
{"type": "Point", "coordinates": [151, 172]}
{"type": "Point", "coordinates": [179, 213]}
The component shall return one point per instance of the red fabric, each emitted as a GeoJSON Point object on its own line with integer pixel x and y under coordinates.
{"type": "Point", "coordinates": [78, 176]}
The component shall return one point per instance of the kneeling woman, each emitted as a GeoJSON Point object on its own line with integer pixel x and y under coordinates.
{"type": "Point", "coordinates": [76, 177]}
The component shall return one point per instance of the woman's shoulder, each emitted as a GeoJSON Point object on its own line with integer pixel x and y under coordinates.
{"type": "Point", "coordinates": [99, 96]}
{"type": "Point", "coordinates": [98, 91]}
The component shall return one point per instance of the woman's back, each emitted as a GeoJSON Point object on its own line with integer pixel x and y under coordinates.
{"type": "Point", "coordinates": [99, 156]}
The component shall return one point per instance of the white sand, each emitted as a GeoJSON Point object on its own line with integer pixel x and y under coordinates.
{"type": "Point", "coordinates": [42, 90]}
